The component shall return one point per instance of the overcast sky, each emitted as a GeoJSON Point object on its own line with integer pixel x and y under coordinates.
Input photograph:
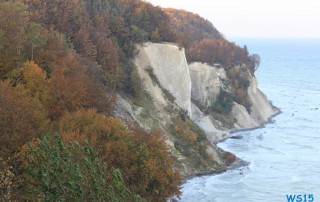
{"type": "Point", "coordinates": [256, 18]}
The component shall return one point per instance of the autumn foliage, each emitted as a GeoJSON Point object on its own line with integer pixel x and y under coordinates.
{"type": "Point", "coordinates": [140, 156]}
{"type": "Point", "coordinates": [21, 118]}
{"type": "Point", "coordinates": [190, 27]}
{"type": "Point", "coordinates": [61, 63]}
{"type": "Point", "coordinates": [204, 43]}
{"type": "Point", "coordinates": [217, 51]}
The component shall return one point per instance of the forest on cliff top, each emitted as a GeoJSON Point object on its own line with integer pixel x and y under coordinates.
{"type": "Point", "coordinates": [61, 64]}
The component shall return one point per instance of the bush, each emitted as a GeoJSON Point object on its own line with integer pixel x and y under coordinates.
{"type": "Point", "coordinates": [58, 171]}
{"type": "Point", "coordinates": [224, 103]}
{"type": "Point", "coordinates": [6, 181]}
{"type": "Point", "coordinates": [21, 117]}
{"type": "Point", "coordinates": [140, 156]}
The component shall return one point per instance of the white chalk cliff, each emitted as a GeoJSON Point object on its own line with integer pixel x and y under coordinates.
{"type": "Point", "coordinates": [206, 82]}
{"type": "Point", "coordinates": [163, 68]}
{"type": "Point", "coordinates": [261, 109]}
{"type": "Point", "coordinates": [168, 63]}
{"type": "Point", "coordinates": [199, 82]}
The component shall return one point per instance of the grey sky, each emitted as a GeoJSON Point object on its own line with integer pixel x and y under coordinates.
{"type": "Point", "coordinates": [256, 18]}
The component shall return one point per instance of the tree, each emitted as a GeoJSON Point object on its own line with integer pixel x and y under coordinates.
{"type": "Point", "coordinates": [58, 171]}
{"type": "Point", "coordinates": [140, 156]}
{"type": "Point", "coordinates": [36, 37]}
{"type": "Point", "coordinates": [245, 48]}
{"type": "Point", "coordinates": [13, 18]}
{"type": "Point", "coordinates": [67, 88]}
{"type": "Point", "coordinates": [34, 79]}
{"type": "Point", "coordinates": [255, 61]}
{"type": "Point", "coordinates": [57, 46]}
{"type": "Point", "coordinates": [224, 102]}
{"type": "Point", "coordinates": [6, 181]}
{"type": "Point", "coordinates": [70, 88]}
{"type": "Point", "coordinates": [195, 26]}
{"type": "Point", "coordinates": [21, 118]}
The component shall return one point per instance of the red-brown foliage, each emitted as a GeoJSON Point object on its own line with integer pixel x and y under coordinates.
{"type": "Point", "coordinates": [21, 118]}
{"type": "Point", "coordinates": [70, 89]}
{"type": "Point", "coordinates": [203, 42]}
{"type": "Point", "coordinates": [219, 51]}
{"type": "Point", "coordinates": [142, 157]}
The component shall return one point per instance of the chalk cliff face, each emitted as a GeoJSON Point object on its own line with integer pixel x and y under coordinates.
{"type": "Point", "coordinates": [168, 63]}
{"type": "Point", "coordinates": [244, 120]}
{"type": "Point", "coordinates": [206, 82]}
{"type": "Point", "coordinates": [261, 109]}
{"type": "Point", "coordinates": [163, 68]}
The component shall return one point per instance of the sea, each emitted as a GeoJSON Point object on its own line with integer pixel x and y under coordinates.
{"type": "Point", "coordinates": [283, 155]}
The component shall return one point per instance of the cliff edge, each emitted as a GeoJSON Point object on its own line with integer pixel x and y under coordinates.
{"type": "Point", "coordinates": [208, 82]}
{"type": "Point", "coordinates": [185, 100]}
{"type": "Point", "coordinates": [168, 63]}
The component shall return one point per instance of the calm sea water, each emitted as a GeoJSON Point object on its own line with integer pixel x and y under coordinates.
{"type": "Point", "coordinates": [284, 156]}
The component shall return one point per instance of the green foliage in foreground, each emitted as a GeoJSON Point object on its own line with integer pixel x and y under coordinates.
{"type": "Point", "coordinates": [59, 171]}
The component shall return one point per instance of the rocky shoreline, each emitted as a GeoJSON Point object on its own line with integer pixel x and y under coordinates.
{"type": "Point", "coordinates": [178, 95]}
{"type": "Point", "coordinates": [238, 163]}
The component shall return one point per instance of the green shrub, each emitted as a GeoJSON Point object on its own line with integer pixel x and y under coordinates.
{"type": "Point", "coordinates": [224, 103]}
{"type": "Point", "coordinates": [58, 171]}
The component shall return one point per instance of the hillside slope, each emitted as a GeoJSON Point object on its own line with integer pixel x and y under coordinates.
{"type": "Point", "coordinates": [141, 94]}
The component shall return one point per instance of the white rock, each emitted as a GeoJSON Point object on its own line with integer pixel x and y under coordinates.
{"type": "Point", "coordinates": [261, 108]}
{"type": "Point", "coordinates": [244, 120]}
{"type": "Point", "coordinates": [206, 124]}
{"type": "Point", "coordinates": [168, 63]}
{"type": "Point", "coordinates": [206, 82]}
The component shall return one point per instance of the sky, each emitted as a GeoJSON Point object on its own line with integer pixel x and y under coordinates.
{"type": "Point", "coordinates": [256, 18]}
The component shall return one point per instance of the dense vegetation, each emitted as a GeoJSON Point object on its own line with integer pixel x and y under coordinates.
{"type": "Point", "coordinates": [60, 64]}
{"type": "Point", "coordinates": [203, 42]}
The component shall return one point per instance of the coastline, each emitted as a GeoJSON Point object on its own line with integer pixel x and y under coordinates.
{"type": "Point", "coordinates": [238, 163]}
{"type": "Point", "coordinates": [283, 154]}
{"type": "Point", "coordinates": [270, 120]}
